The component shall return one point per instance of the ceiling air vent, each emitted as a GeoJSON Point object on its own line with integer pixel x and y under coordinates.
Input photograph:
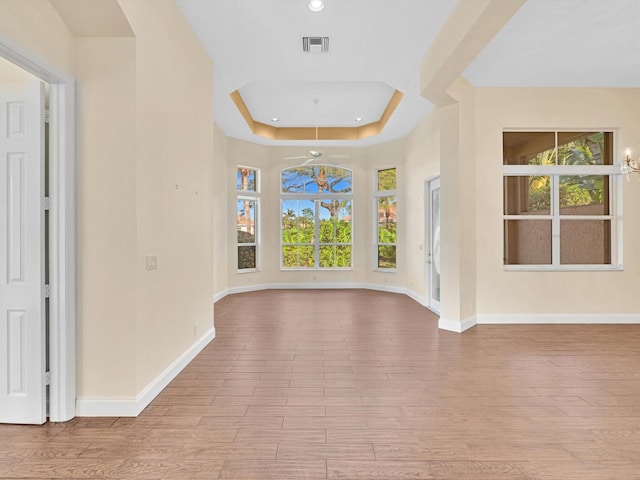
{"type": "Point", "coordinates": [315, 44]}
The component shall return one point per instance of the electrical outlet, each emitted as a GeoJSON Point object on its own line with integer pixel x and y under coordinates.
{"type": "Point", "coordinates": [152, 262]}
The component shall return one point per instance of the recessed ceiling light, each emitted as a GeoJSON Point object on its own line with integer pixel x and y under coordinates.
{"type": "Point", "coordinates": [316, 5]}
{"type": "Point", "coordinates": [275, 119]}
{"type": "Point", "coordinates": [358, 119]}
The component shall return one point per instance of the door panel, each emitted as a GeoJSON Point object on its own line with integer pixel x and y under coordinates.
{"type": "Point", "coordinates": [433, 255]}
{"type": "Point", "coordinates": [22, 319]}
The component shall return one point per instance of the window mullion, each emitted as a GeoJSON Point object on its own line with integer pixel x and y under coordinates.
{"type": "Point", "coordinates": [298, 239]}
{"type": "Point", "coordinates": [316, 230]}
{"type": "Point", "coordinates": [555, 222]}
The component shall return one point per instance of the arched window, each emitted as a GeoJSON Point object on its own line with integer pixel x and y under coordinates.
{"type": "Point", "coordinates": [316, 205]}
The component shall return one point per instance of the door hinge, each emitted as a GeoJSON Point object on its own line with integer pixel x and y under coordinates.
{"type": "Point", "coordinates": [47, 378]}
{"type": "Point", "coordinates": [47, 291]}
{"type": "Point", "coordinates": [47, 203]}
{"type": "Point", "coordinates": [46, 116]}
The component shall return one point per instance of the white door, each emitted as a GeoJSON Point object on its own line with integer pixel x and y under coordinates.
{"type": "Point", "coordinates": [22, 315]}
{"type": "Point", "coordinates": [432, 207]}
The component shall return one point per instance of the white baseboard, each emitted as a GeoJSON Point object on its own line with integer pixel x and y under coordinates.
{"type": "Point", "coordinates": [416, 298]}
{"type": "Point", "coordinates": [378, 287]}
{"type": "Point", "coordinates": [457, 326]}
{"type": "Point", "coordinates": [561, 318]}
{"type": "Point", "coordinates": [107, 407]}
{"type": "Point", "coordinates": [220, 295]}
{"type": "Point", "coordinates": [324, 285]}
{"type": "Point", "coordinates": [294, 286]}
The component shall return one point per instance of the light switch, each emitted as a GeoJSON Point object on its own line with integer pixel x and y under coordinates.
{"type": "Point", "coordinates": [152, 262]}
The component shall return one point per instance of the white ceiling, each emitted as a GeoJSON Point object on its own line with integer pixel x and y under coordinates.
{"type": "Point", "coordinates": [256, 46]}
{"type": "Point", "coordinates": [370, 41]}
{"type": "Point", "coordinates": [294, 103]}
{"type": "Point", "coordinates": [564, 43]}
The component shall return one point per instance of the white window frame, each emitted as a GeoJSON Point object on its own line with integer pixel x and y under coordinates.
{"type": "Point", "coordinates": [554, 172]}
{"type": "Point", "coordinates": [316, 199]}
{"type": "Point", "coordinates": [377, 194]}
{"type": "Point", "coordinates": [242, 195]}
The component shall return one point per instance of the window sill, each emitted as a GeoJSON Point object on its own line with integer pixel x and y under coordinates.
{"type": "Point", "coordinates": [563, 268]}
{"type": "Point", "coordinates": [385, 270]}
{"type": "Point", "coordinates": [248, 270]}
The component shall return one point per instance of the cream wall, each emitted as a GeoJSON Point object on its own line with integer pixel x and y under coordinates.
{"type": "Point", "coordinates": [106, 216]}
{"type": "Point", "coordinates": [544, 293]}
{"type": "Point", "coordinates": [11, 73]}
{"type": "Point", "coordinates": [174, 102]}
{"type": "Point", "coordinates": [422, 163]}
{"type": "Point", "coordinates": [385, 155]}
{"type": "Point", "coordinates": [458, 164]}
{"type": "Point", "coordinates": [144, 126]}
{"type": "Point", "coordinates": [35, 26]}
{"type": "Point", "coordinates": [222, 181]}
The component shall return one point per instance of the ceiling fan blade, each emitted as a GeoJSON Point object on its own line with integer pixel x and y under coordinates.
{"type": "Point", "coordinates": [295, 158]}
{"type": "Point", "coordinates": [336, 156]}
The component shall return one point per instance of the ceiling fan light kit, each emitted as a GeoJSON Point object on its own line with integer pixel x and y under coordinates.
{"type": "Point", "coordinates": [316, 156]}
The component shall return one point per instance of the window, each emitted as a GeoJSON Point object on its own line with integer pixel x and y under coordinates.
{"type": "Point", "coordinates": [385, 206]}
{"type": "Point", "coordinates": [247, 207]}
{"type": "Point", "coordinates": [316, 210]}
{"type": "Point", "coordinates": [558, 200]}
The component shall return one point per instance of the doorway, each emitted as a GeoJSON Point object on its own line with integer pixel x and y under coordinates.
{"type": "Point", "coordinates": [37, 216]}
{"type": "Point", "coordinates": [432, 231]}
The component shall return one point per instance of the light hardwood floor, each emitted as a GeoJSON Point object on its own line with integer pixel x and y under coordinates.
{"type": "Point", "coordinates": [357, 384]}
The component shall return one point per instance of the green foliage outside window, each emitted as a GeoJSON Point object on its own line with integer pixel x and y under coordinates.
{"type": "Point", "coordinates": [387, 233]}
{"type": "Point", "coordinates": [387, 179]}
{"type": "Point", "coordinates": [246, 257]}
{"type": "Point", "coordinates": [573, 193]}
{"type": "Point", "coordinates": [387, 253]}
{"type": "Point", "coordinates": [298, 239]}
{"type": "Point", "coordinates": [302, 245]}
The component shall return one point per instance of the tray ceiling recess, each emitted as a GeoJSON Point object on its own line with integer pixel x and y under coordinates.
{"type": "Point", "coordinates": [355, 41]}
{"type": "Point", "coordinates": [344, 111]}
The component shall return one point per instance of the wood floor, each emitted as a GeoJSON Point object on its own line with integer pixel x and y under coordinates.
{"type": "Point", "coordinates": [358, 384]}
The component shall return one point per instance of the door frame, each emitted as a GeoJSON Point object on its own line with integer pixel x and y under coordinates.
{"type": "Point", "coordinates": [62, 277]}
{"type": "Point", "coordinates": [427, 250]}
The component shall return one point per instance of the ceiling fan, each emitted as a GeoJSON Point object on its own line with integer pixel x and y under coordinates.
{"type": "Point", "coordinates": [316, 156]}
